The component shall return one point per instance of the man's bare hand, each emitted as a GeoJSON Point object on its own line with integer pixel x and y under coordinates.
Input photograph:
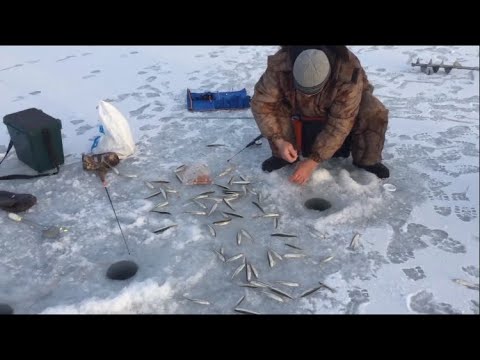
{"type": "Point", "coordinates": [303, 172]}
{"type": "Point", "coordinates": [286, 150]}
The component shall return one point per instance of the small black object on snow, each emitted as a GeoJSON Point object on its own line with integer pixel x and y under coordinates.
{"type": "Point", "coordinates": [318, 204]}
{"type": "Point", "coordinates": [122, 270]}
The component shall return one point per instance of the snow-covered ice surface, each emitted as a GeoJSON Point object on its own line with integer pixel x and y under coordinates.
{"type": "Point", "coordinates": [413, 242]}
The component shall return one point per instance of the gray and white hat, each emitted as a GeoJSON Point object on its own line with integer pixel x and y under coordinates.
{"type": "Point", "coordinates": [310, 71]}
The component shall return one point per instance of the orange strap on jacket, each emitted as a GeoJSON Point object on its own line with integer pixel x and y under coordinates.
{"type": "Point", "coordinates": [297, 127]}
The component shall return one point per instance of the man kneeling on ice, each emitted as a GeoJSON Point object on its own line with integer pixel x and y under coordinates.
{"type": "Point", "coordinates": [317, 101]}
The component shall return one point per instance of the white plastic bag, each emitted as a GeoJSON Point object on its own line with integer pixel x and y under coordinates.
{"type": "Point", "coordinates": [117, 136]}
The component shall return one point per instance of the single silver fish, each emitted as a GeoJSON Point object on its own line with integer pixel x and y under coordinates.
{"type": "Point", "coordinates": [258, 206]}
{"type": "Point", "coordinates": [235, 257]}
{"type": "Point", "coordinates": [203, 206]}
{"type": "Point", "coordinates": [311, 291]}
{"type": "Point", "coordinates": [155, 194]}
{"type": "Point", "coordinates": [240, 301]}
{"type": "Point", "coordinates": [160, 205]}
{"type": "Point", "coordinates": [212, 230]}
{"type": "Point", "coordinates": [227, 171]}
{"type": "Point", "coordinates": [280, 292]}
{"type": "Point", "coordinates": [220, 255]}
{"type": "Point", "coordinates": [355, 242]}
{"type": "Point", "coordinates": [293, 246]}
{"type": "Point", "coordinates": [294, 256]}
{"type": "Point", "coordinates": [275, 222]}
{"type": "Point", "coordinates": [254, 270]}
{"type": "Point", "coordinates": [161, 212]}
{"type": "Point", "coordinates": [288, 283]}
{"type": "Point", "coordinates": [223, 187]}
{"type": "Point", "coordinates": [180, 168]}
{"type": "Point", "coordinates": [240, 268]}
{"type": "Point", "coordinates": [327, 259]}
{"type": "Point", "coordinates": [273, 296]}
{"type": "Point", "coordinates": [271, 262]}
{"type": "Point", "coordinates": [222, 222]}
{"type": "Point", "coordinates": [198, 301]}
{"type": "Point", "coordinates": [283, 235]}
{"type": "Point", "coordinates": [245, 311]}
{"type": "Point", "coordinates": [467, 284]}
{"type": "Point", "coordinates": [195, 212]}
{"type": "Point", "coordinates": [241, 182]}
{"type": "Point", "coordinates": [179, 177]}
{"type": "Point", "coordinates": [214, 207]}
{"type": "Point", "coordinates": [246, 234]}
{"type": "Point", "coordinates": [149, 185]}
{"type": "Point", "coordinates": [161, 181]}
{"type": "Point", "coordinates": [239, 238]}
{"type": "Point", "coordinates": [215, 145]}
{"type": "Point", "coordinates": [161, 230]}
{"type": "Point", "coordinates": [232, 214]}
{"type": "Point", "coordinates": [249, 273]}
{"type": "Point", "coordinates": [203, 195]}
{"type": "Point", "coordinates": [258, 283]}
{"type": "Point", "coordinates": [326, 287]}
{"type": "Point", "coordinates": [231, 179]}
{"type": "Point", "coordinates": [228, 204]}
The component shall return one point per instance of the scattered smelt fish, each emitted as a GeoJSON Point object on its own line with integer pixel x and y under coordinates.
{"type": "Point", "coordinates": [203, 195]}
{"type": "Point", "coordinates": [159, 231]}
{"type": "Point", "coordinates": [231, 179]}
{"type": "Point", "coordinates": [215, 145]}
{"type": "Point", "coordinates": [239, 238]}
{"type": "Point", "coordinates": [241, 182]}
{"type": "Point", "coordinates": [161, 181]}
{"type": "Point", "coordinates": [275, 222]}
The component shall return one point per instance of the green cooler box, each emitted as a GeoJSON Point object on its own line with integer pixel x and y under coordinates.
{"type": "Point", "coordinates": [33, 132]}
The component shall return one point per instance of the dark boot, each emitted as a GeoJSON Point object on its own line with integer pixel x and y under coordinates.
{"type": "Point", "coordinates": [378, 169]}
{"type": "Point", "coordinates": [16, 202]}
{"type": "Point", "coordinates": [274, 163]}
